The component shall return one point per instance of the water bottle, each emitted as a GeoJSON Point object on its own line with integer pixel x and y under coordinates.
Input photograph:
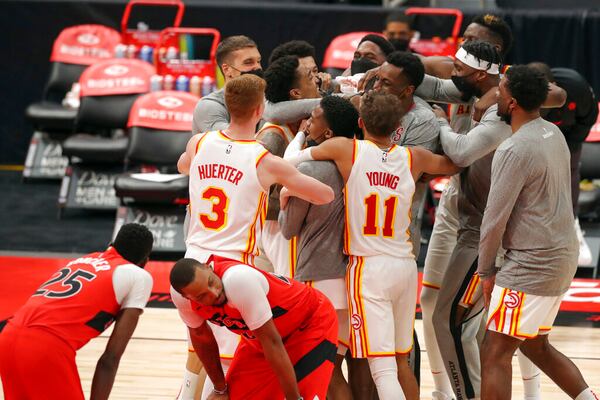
{"type": "Point", "coordinates": [182, 83]}
{"type": "Point", "coordinates": [146, 53]}
{"type": "Point", "coordinates": [156, 83]}
{"type": "Point", "coordinates": [131, 50]}
{"type": "Point", "coordinates": [168, 82]}
{"type": "Point", "coordinates": [196, 86]}
{"type": "Point", "coordinates": [120, 51]}
{"type": "Point", "coordinates": [172, 53]}
{"type": "Point", "coordinates": [207, 85]}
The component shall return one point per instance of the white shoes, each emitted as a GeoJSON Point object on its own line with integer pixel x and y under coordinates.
{"type": "Point", "coordinates": [437, 395]}
{"type": "Point", "coordinates": [585, 254]}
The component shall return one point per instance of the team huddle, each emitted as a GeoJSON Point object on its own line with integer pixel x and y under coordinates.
{"type": "Point", "coordinates": [302, 234]}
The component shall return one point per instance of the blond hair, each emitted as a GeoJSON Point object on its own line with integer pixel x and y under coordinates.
{"type": "Point", "coordinates": [243, 95]}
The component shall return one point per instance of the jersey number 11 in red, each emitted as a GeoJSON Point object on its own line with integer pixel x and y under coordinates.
{"type": "Point", "coordinates": [372, 211]}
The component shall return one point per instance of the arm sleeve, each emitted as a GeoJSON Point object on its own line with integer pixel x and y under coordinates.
{"type": "Point", "coordinates": [291, 219]}
{"type": "Point", "coordinates": [209, 115]}
{"type": "Point", "coordinates": [289, 111]}
{"type": "Point", "coordinates": [439, 90]}
{"type": "Point", "coordinates": [184, 307]}
{"type": "Point", "coordinates": [246, 289]}
{"type": "Point", "coordinates": [295, 146]}
{"type": "Point", "coordinates": [464, 150]}
{"type": "Point", "coordinates": [509, 174]}
{"type": "Point", "coordinates": [132, 286]}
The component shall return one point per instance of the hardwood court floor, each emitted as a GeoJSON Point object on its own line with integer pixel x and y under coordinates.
{"type": "Point", "coordinates": [152, 366]}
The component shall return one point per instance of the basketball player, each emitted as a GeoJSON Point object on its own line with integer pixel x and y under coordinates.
{"type": "Point", "coordinates": [81, 300]}
{"type": "Point", "coordinates": [400, 75]}
{"type": "Point", "coordinates": [574, 119]}
{"type": "Point", "coordinates": [238, 55]}
{"type": "Point", "coordinates": [288, 330]}
{"type": "Point", "coordinates": [306, 55]}
{"type": "Point", "coordinates": [230, 174]}
{"type": "Point", "coordinates": [382, 282]}
{"type": "Point", "coordinates": [371, 52]}
{"type": "Point", "coordinates": [398, 30]}
{"type": "Point", "coordinates": [529, 210]}
{"type": "Point", "coordinates": [320, 229]}
{"type": "Point", "coordinates": [287, 79]}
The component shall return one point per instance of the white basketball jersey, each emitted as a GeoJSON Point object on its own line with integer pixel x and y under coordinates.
{"type": "Point", "coordinates": [378, 198]}
{"type": "Point", "coordinates": [227, 202]}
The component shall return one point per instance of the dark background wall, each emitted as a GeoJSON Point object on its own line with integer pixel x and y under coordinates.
{"type": "Point", "coordinates": [568, 38]}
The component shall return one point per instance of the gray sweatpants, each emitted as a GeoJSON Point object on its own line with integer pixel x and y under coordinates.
{"type": "Point", "coordinates": [456, 339]}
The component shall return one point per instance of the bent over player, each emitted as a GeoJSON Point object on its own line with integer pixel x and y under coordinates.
{"type": "Point", "coordinates": [38, 344]}
{"type": "Point", "coordinates": [288, 329]}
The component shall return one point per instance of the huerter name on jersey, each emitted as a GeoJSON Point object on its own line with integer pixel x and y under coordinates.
{"type": "Point", "coordinates": [220, 171]}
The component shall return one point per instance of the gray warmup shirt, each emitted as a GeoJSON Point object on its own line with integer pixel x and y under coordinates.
{"type": "Point", "coordinates": [529, 212]}
{"type": "Point", "coordinates": [320, 228]}
{"type": "Point", "coordinates": [475, 151]}
{"type": "Point", "coordinates": [419, 127]}
{"type": "Point", "coordinates": [211, 113]}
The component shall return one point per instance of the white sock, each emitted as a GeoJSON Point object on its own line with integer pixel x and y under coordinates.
{"type": "Point", "coordinates": [385, 375]}
{"type": "Point", "coordinates": [531, 376]}
{"type": "Point", "coordinates": [587, 394]}
{"type": "Point", "coordinates": [441, 382]}
{"type": "Point", "coordinates": [188, 388]}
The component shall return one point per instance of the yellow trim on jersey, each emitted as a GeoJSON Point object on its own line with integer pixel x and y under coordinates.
{"type": "Point", "coordinates": [410, 160]}
{"type": "Point", "coordinates": [251, 241]}
{"type": "Point", "coordinates": [293, 249]}
{"type": "Point", "coordinates": [347, 223]}
{"type": "Point", "coordinates": [261, 156]}
{"type": "Point", "coordinates": [354, 151]}
{"type": "Point", "coordinates": [270, 125]}
{"type": "Point", "coordinates": [200, 141]}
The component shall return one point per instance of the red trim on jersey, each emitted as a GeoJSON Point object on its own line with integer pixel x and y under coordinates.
{"type": "Point", "coordinates": [200, 141]}
{"type": "Point", "coordinates": [236, 140]}
{"type": "Point", "coordinates": [409, 159]}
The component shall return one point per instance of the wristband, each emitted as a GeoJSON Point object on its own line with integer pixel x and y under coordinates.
{"type": "Point", "coordinates": [224, 391]}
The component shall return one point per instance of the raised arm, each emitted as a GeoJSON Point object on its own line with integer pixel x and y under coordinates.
{"type": "Point", "coordinates": [439, 90]}
{"type": "Point", "coordinates": [289, 111]}
{"type": "Point", "coordinates": [273, 169]}
{"type": "Point", "coordinates": [464, 150]}
{"type": "Point", "coordinates": [425, 162]}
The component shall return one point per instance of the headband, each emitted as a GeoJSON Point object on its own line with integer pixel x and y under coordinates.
{"type": "Point", "coordinates": [476, 63]}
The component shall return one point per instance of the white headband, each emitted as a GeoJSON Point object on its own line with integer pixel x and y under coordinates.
{"type": "Point", "coordinates": [474, 62]}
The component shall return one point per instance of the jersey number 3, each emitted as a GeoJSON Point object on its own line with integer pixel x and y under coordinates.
{"type": "Point", "coordinates": [217, 218]}
{"type": "Point", "coordinates": [372, 212]}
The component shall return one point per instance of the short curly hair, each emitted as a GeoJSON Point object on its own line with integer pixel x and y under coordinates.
{"type": "Point", "coordinates": [341, 116]}
{"type": "Point", "coordinates": [298, 48]}
{"type": "Point", "coordinates": [281, 77]}
{"type": "Point", "coordinates": [411, 65]}
{"type": "Point", "coordinates": [528, 86]}
{"type": "Point", "coordinates": [380, 113]}
{"type": "Point", "coordinates": [498, 27]}
{"type": "Point", "coordinates": [134, 243]}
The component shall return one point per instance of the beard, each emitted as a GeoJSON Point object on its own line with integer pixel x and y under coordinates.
{"type": "Point", "coordinates": [467, 89]}
{"type": "Point", "coordinates": [504, 116]}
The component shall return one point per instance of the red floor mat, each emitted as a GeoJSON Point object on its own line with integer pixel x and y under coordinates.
{"type": "Point", "coordinates": [21, 276]}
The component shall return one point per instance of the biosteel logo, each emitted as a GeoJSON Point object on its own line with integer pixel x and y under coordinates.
{"type": "Point", "coordinates": [116, 70]}
{"type": "Point", "coordinates": [88, 39]}
{"type": "Point", "coordinates": [170, 102]}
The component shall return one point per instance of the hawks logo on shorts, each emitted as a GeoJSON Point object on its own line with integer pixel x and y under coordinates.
{"type": "Point", "coordinates": [512, 300]}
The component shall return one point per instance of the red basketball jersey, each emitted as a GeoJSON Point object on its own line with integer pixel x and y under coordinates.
{"type": "Point", "coordinates": [292, 304]}
{"type": "Point", "coordinates": [78, 302]}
